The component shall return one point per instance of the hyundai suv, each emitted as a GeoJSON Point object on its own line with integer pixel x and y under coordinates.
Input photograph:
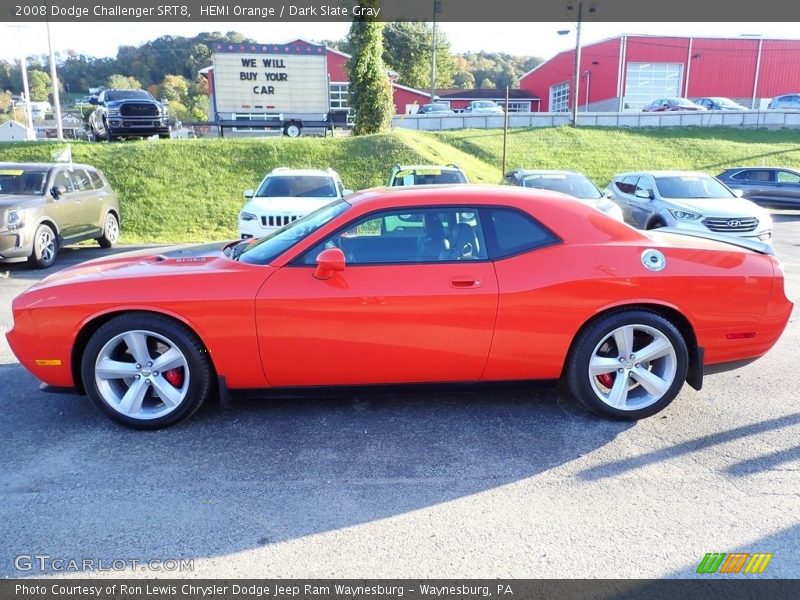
{"type": "Point", "coordinates": [284, 196]}
{"type": "Point", "coordinates": [687, 200]}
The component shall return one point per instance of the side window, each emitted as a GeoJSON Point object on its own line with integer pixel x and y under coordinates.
{"type": "Point", "coordinates": [627, 185]}
{"type": "Point", "coordinates": [759, 175]}
{"type": "Point", "coordinates": [788, 177]}
{"type": "Point", "coordinates": [409, 236]}
{"type": "Point", "coordinates": [81, 180]}
{"type": "Point", "coordinates": [513, 232]}
{"type": "Point", "coordinates": [97, 181]}
{"type": "Point", "coordinates": [63, 178]}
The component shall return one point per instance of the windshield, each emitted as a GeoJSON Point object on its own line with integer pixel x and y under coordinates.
{"type": "Point", "coordinates": [428, 177]}
{"type": "Point", "coordinates": [691, 186]}
{"type": "Point", "coordinates": [574, 185]}
{"type": "Point", "coordinates": [487, 104]}
{"type": "Point", "coordinates": [21, 182]}
{"type": "Point", "coordinates": [436, 107]}
{"type": "Point", "coordinates": [300, 186]}
{"type": "Point", "coordinates": [269, 247]}
{"type": "Point", "coordinates": [128, 95]}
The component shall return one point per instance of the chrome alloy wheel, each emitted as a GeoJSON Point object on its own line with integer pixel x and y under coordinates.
{"type": "Point", "coordinates": [632, 367]}
{"type": "Point", "coordinates": [46, 245]}
{"type": "Point", "coordinates": [111, 229]}
{"type": "Point", "coordinates": [141, 374]}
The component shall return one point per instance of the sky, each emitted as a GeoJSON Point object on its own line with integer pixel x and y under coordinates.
{"type": "Point", "coordinates": [534, 39]}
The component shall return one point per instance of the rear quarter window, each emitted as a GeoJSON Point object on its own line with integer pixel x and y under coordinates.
{"type": "Point", "coordinates": [513, 232]}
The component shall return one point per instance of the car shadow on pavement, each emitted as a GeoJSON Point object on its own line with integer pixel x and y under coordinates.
{"type": "Point", "coordinates": [73, 484]}
{"type": "Point", "coordinates": [615, 468]}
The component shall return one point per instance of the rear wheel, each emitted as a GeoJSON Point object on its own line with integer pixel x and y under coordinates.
{"type": "Point", "coordinates": [146, 371]}
{"type": "Point", "coordinates": [628, 365]}
{"type": "Point", "coordinates": [110, 232]}
{"type": "Point", "coordinates": [45, 247]}
{"type": "Point", "coordinates": [292, 130]}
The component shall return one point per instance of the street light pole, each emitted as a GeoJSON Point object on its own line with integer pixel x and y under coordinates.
{"type": "Point", "coordinates": [54, 79]}
{"type": "Point", "coordinates": [436, 9]}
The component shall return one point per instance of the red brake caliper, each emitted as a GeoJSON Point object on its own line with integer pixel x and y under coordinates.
{"type": "Point", "coordinates": [174, 376]}
{"type": "Point", "coordinates": [606, 379]}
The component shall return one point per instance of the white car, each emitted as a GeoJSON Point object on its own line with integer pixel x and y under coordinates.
{"type": "Point", "coordinates": [687, 200]}
{"type": "Point", "coordinates": [286, 195]}
{"type": "Point", "coordinates": [484, 107]}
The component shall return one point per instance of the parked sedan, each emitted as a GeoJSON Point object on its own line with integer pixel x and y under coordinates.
{"type": "Point", "coordinates": [571, 183]}
{"type": "Point", "coordinates": [46, 205]}
{"type": "Point", "coordinates": [785, 101]}
{"type": "Point", "coordinates": [717, 103]}
{"type": "Point", "coordinates": [484, 107]}
{"type": "Point", "coordinates": [436, 109]}
{"type": "Point", "coordinates": [497, 286]}
{"type": "Point", "coordinates": [672, 104]}
{"type": "Point", "coordinates": [770, 186]}
{"type": "Point", "coordinates": [687, 200]}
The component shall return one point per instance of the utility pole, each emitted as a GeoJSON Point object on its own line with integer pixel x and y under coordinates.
{"type": "Point", "coordinates": [437, 7]}
{"type": "Point", "coordinates": [576, 79]}
{"type": "Point", "coordinates": [26, 90]}
{"type": "Point", "coordinates": [54, 79]}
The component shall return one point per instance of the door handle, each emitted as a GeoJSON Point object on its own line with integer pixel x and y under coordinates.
{"type": "Point", "coordinates": [465, 282]}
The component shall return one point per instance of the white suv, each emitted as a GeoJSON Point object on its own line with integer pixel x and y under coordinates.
{"type": "Point", "coordinates": [286, 195]}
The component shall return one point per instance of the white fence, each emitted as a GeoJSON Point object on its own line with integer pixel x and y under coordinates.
{"type": "Point", "coordinates": [771, 119]}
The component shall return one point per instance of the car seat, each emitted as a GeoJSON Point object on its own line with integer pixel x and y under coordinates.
{"type": "Point", "coordinates": [463, 243]}
{"type": "Point", "coordinates": [433, 243]}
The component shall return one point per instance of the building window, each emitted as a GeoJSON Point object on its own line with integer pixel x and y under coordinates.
{"type": "Point", "coordinates": [646, 82]}
{"type": "Point", "coordinates": [340, 96]}
{"type": "Point", "coordinates": [519, 106]}
{"type": "Point", "coordinates": [559, 97]}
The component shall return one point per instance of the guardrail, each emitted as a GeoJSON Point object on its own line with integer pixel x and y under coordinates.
{"type": "Point", "coordinates": [770, 119]}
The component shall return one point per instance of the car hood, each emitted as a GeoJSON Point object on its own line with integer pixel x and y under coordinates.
{"type": "Point", "coordinates": [285, 204]}
{"type": "Point", "coordinates": [719, 207]}
{"type": "Point", "coordinates": [16, 201]}
{"type": "Point", "coordinates": [150, 262]}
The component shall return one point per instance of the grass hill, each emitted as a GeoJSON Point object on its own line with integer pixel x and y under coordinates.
{"type": "Point", "coordinates": [191, 190]}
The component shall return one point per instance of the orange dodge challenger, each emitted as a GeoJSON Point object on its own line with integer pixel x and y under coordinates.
{"type": "Point", "coordinates": [457, 285]}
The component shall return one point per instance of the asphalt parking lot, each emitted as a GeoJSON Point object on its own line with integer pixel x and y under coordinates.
{"type": "Point", "coordinates": [492, 484]}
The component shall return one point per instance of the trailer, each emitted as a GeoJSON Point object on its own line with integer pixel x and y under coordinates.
{"type": "Point", "coordinates": [271, 88]}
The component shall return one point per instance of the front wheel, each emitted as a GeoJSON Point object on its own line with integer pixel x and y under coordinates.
{"type": "Point", "coordinates": [628, 365]}
{"type": "Point", "coordinates": [110, 232]}
{"type": "Point", "coordinates": [45, 248]}
{"type": "Point", "coordinates": [146, 371]}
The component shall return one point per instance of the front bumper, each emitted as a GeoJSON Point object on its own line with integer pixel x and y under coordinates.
{"type": "Point", "coordinates": [254, 229]}
{"type": "Point", "coordinates": [15, 245]}
{"type": "Point", "coordinates": [760, 234]}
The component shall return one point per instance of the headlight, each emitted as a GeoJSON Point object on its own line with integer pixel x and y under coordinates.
{"type": "Point", "coordinates": [683, 215]}
{"type": "Point", "coordinates": [16, 219]}
{"type": "Point", "coordinates": [246, 216]}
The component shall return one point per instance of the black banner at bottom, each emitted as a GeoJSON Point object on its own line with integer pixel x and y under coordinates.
{"type": "Point", "coordinates": [710, 588]}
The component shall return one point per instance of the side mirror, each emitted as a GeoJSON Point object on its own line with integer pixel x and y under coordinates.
{"type": "Point", "coordinates": [646, 194]}
{"type": "Point", "coordinates": [346, 192]}
{"type": "Point", "coordinates": [329, 261]}
{"type": "Point", "coordinates": [58, 191]}
{"type": "Point", "coordinates": [249, 193]}
{"type": "Point", "coordinates": [738, 193]}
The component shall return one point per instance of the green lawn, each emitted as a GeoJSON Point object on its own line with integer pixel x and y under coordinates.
{"type": "Point", "coordinates": [191, 190]}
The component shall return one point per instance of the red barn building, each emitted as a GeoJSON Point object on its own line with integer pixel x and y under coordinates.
{"type": "Point", "coordinates": [628, 72]}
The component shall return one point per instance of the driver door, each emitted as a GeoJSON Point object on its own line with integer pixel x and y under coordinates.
{"type": "Point", "coordinates": [416, 302]}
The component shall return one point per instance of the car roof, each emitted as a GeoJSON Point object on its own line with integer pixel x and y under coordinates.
{"type": "Point", "coordinates": [415, 167]}
{"type": "Point", "coordinates": [546, 172]}
{"type": "Point", "coordinates": [303, 172]}
{"type": "Point", "coordinates": [43, 165]}
{"type": "Point", "coordinates": [660, 173]}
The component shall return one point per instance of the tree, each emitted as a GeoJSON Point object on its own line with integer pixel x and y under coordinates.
{"type": "Point", "coordinates": [175, 87]}
{"type": "Point", "coordinates": [488, 84]}
{"type": "Point", "coordinates": [370, 90]}
{"type": "Point", "coordinates": [407, 50]}
{"type": "Point", "coordinates": [120, 82]}
{"type": "Point", "coordinates": [464, 80]}
{"type": "Point", "coordinates": [40, 85]}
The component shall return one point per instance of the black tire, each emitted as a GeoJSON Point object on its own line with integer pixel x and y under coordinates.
{"type": "Point", "coordinates": [110, 231]}
{"type": "Point", "coordinates": [200, 373]}
{"type": "Point", "coordinates": [108, 137]}
{"type": "Point", "coordinates": [656, 224]}
{"type": "Point", "coordinates": [44, 253]}
{"type": "Point", "coordinates": [292, 130]}
{"type": "Point", "coordinates": [96, 136]}
{"type": "Point", "coordinates": [586, 388]}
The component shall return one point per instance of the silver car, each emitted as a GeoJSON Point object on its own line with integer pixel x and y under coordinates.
{"type": "Point", "coordinates": [786, 101]}
{"type": "Point", "coordinates": [46, 205]}
{"type": "Point", "coordinates": [687, 200]}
